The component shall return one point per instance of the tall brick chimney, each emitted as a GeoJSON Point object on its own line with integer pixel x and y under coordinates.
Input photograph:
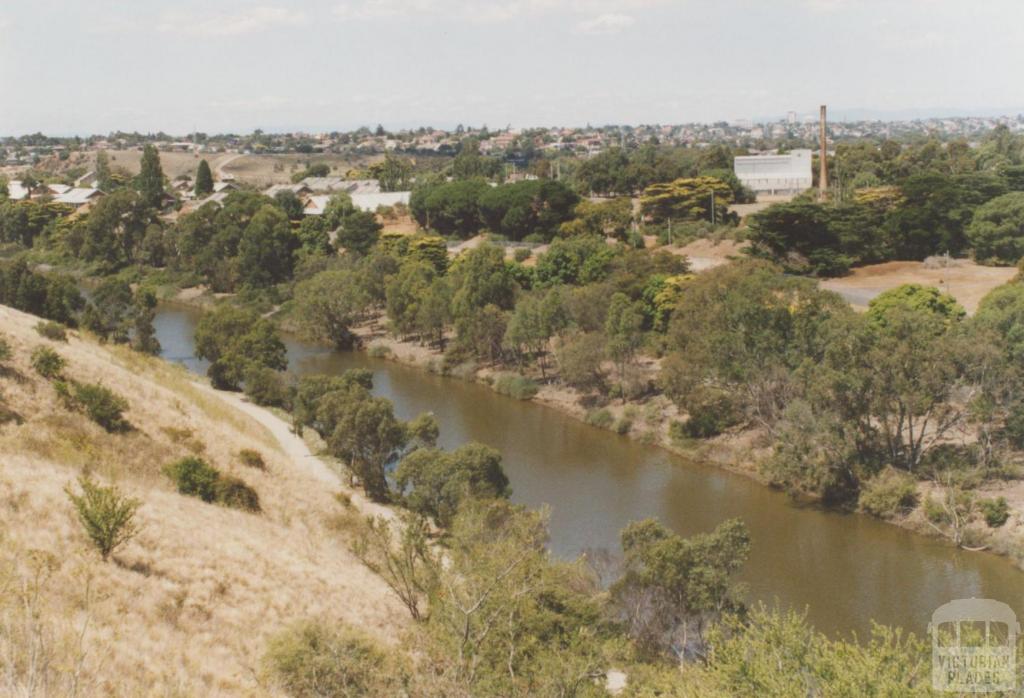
{"type": "Point", "coordinates": [822, 158]}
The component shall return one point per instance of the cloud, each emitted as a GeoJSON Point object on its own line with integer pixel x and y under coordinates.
{"type": "Point", "coordinates": [253, 20]}
{"type": "Point", "coordinates": [826, 6]}
{"type": "Point", "coordinates": [485, 10]}
{"type": "Point", "coordinates": [608, 23]}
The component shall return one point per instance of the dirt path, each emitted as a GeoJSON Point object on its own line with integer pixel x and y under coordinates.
{"type": "Point", "coordinates": [224, 163]}
{"type": "Point", "coordinates": [298, 451]}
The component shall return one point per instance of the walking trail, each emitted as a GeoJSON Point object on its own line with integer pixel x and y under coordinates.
{"type": "Point", "coordinates": [298, 451]}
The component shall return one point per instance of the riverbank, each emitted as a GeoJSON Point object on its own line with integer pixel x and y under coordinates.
{"type": "Point", "coordinates": [648, 420]}
{"type": "Point", "coordinates": [742, 451]}
{"type": "Point", "coordinates": [593, 482]}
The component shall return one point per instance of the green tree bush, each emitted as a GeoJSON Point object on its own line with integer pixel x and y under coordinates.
{"type": "Point", "coordinates": [100, 404]}
{"type": "Point", "coordinates": [252, 458]}
{"type": "Point", "coordinates": [997, 230]}
{"type": "Point", "coordinates": [233, 492]}
{"type": "Point", "coordinates": [234, 339]}
{"type": "Point", "coordinates": [515, 386]}
{"type": "Point", "coordinates": [888, 494]}
{"type": "Point", "coordinates": [435, 482]}
{"type": "Point", "coordinates": [194, 477]}
{"type": "Point", "coordinates": [47, 362]}
{"type": "Point", "coordinates": [107, 516]}
{"type": "Point", "coordinates": [996, 511]}
{"type": "Point", "coordinates": [312, 660]}
{"type": "Point", "coordinates": [204, 179]}
{"type": "Point", "coordinates": [52, 330]}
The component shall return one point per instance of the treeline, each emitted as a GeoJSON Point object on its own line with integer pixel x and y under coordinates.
{"type": "Point", "coordinates": [531, 210]}
{"type": "Point", "coordinates": [904, 203]}
{"type": "Point", "coordinates": [114, 312]}
{"type": "Point", "coordinates": [858, 407]}
{"type": "Point", "coordinates": [617, 172]}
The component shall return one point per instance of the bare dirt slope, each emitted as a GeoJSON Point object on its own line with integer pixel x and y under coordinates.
{"type": "Point", "coordinates": [706, 254]}
{"type": "Point", "coordinates": [174, 164]}
{"type": "Point", "coordinates": [964, 280]}
{"type": "Point", "coordinates": [186, 608]}
{"type": "Point", "coordinates": [258, 170]}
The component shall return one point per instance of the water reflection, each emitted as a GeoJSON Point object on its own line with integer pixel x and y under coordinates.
{"type": "Point", "coordinates": [846, 569]}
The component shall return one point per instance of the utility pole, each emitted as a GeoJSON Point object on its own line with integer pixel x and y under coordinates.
{"type": "Point", "coordinates": [822, 158]}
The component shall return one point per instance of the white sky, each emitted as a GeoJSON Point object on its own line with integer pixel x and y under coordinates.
{"type": "Point", "coordinates": [92, 66]}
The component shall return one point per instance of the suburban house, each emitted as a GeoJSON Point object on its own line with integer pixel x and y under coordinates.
{"type": "Point", "coordinates": [316, 204]}
{"type": "Point", "coordinates": [321, 184]}
{"type": "Point", "coordinates": [79, 196]}
{"type": "Point", "coordinates": [299, 189]}
{"type": "Point", "coordinates": [372, 201]}
{"type": "Point", "coordinates": [16, 191]}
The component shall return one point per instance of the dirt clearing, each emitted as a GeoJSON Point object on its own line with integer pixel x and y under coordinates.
{"type": "Point", "coordinates": [964, 280]}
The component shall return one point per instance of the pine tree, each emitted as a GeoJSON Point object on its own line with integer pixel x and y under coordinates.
{"type": "Point", "coordinates": [204, 179]}
{"type": "Point", "coordinates": [151, 178]}
{"type": "Point", "coordinates": [103, 171]}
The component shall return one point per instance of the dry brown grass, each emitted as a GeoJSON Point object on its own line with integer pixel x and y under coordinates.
{"type": "Point", "coordinates": [967, 282]}
{"type": "Point", "coordinates": [187, 606]}
{"type": "Point", "coordinates": [258, 170]}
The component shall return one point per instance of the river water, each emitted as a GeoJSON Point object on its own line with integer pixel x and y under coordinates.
{"type": "Point", "coordinates": [844, 569]}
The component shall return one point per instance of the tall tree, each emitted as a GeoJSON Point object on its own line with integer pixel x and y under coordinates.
{"type": "Point", "coordinates": [204, 179]}
{"type": "Point", "coordinates": [150, 181]}
{"type": "Point", "coordinates": [266, 249]}
{"type": "Point", "coordinates": [103, 171]}
{"type": "Point", "coordinates": [359, 231]}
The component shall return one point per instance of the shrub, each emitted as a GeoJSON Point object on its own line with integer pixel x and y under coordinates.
{"type": "Point", "coordinates": [107, 516]}
{"type": "Point", "coordinates": [52, 330]}
{"type": "Point", "coordinates": [995, 511]}
{"type": "Point", "coordinates": [265, 386]}
{"type": "Point", "coordinates": [889, 493]}
{"type": "Point", "coordinates": [379, 351]}
{"type": "Point", "coordinates": [47, 362]}
{"type": "Point", "coordinates": [1013, 430]}
{"type": "Point", "coordinates": [579, 361]}
{"type": "Point", "coordinates": [102, 405]}
{"type": "Point", "coordinates": [622, 426]}
{"type": "Point", "coordinates": [599, 418]}
{"type": "Point", "coordinates": [677, 432]}
{"type": "Point", "coordinates": [522, 254]}
{"type": "Point", "coordinates": [252, 459]}
{"type": "Point", "coordinates": [310, 660]}
{"type": "Point", "coordinates": [5, 349]}
{"type": "Point", "coordinates": [515, 386]}
{"type": "Point", "coordinates": [233, 492]}
{"type": "Point", "coordinates": [194, 477]}
{"type": "Point", "coordinates": [710, 419]}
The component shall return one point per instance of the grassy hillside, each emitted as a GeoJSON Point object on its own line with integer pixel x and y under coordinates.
{"type": "Point", "coordinates": [186, 607]}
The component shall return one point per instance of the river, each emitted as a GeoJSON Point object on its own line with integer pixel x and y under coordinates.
{"type": "Point", "coordinates": [845, 569]}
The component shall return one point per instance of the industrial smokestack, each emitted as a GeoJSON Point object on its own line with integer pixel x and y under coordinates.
{"type": "Point", "coordinates": [822, 158]}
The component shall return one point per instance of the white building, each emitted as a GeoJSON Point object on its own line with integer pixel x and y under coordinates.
{"type": "Point", "coordinates": [776, 174]}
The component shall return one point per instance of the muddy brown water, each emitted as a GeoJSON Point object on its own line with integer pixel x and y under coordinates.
{"type": "Point", "coordinates": [844, 569]}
